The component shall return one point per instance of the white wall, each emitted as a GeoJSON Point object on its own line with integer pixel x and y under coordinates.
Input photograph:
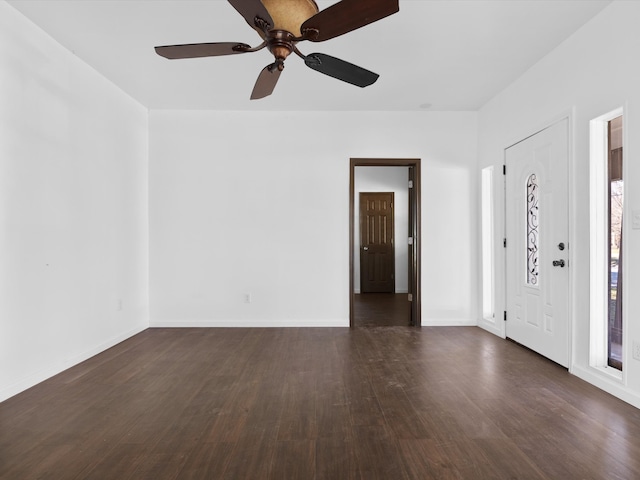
{"type": "Point", "coordinates": [385, 179]}
{"type": "Point", "coordinates": [73, 209]}
{"type": "Point", "coordinates": [592, 73]}
{"type": "Point", "coordinates": [259, 203]}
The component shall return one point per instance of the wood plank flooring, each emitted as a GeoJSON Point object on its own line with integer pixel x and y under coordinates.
{"type": "Point", "coordinates": [381, 310]}
{"type": "Point", "coordinates": [334, 403]}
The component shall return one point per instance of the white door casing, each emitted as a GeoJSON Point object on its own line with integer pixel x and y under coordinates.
{"type": "Point", "coordinates": [537, 230]}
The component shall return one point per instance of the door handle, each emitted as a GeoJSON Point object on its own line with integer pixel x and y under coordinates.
{"type": "Point", "coordinates": [365, 248]}
{"type": "Point", "coordinates": [558, 263]}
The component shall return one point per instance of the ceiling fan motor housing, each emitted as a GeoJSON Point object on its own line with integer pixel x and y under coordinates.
{"type": "Point", "coordinates": [280, 43]}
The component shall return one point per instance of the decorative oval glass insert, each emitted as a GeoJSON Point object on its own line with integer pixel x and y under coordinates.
{"type": "Point", "coordinates": [532, 230]}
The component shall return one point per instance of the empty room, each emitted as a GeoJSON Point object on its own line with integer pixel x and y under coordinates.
{"type": "Point", "coordinates": [298, 239]}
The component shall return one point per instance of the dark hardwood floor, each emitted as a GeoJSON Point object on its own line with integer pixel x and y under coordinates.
{"type": "Point", "coordinates": [318, 403]}
{"type": "Point", "coordinates": [381, 310]}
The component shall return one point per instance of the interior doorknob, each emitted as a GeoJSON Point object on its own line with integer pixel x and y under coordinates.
{"type": "Point", "coordinates": [365, 248]}
{"type": "Point", "coordinates": [558, 263]}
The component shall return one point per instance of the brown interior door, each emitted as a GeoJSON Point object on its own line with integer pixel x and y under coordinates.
{"type": "Point", "coordinates": [377, 259]}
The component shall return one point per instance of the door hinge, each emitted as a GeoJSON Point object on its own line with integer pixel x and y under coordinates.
{"type": "Point", "coordinates": [505, 315]}
{"type": "Point", "coordinates": [410, 183]}
{"type": "Point", "coordinates": [504, 242]}
{"type": "Point", "coordinates": [410, 240]}
{"type": "Point", "coordinates": [504, 169]}
{"type": "Point", "coordinates": [410, 297]}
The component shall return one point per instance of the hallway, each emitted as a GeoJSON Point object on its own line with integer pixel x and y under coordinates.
{"type": "Point", "coordinates": [381, 310]}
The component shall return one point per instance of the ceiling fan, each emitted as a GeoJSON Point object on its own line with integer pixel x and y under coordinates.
{"type": "Point", "coordinates": [284, 23]}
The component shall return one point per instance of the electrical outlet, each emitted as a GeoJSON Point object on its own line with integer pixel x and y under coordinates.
{"type": "Point", "coordinates": [636, 350]}
{"type": "Point", "coordinates": [119, 304]}
{"type": "Point", "coordinates": [247, 298]}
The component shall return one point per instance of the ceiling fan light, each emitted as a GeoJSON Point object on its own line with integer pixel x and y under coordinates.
{"type": "Point", "coordinates": [289, 15]}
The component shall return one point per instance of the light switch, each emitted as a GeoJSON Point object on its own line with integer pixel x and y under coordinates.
{"type": "Point", "coordinates": [635, 219]}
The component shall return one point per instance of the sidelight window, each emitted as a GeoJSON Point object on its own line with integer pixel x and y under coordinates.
{"type": "Point", "coordinates": [488, 280]}
{"type": "Point", "coordinates": [607, 202]}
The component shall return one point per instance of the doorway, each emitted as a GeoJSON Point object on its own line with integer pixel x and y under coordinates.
{"type": "Point", "coordinates": [407, 243]}
{"type": "Point", "coordinates": [537, 245]}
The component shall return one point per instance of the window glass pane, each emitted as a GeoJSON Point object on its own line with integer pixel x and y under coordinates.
{"type": "Point", "coordinates": [532, 230]}
{"type": "Point", "coordinates": [616, 197]}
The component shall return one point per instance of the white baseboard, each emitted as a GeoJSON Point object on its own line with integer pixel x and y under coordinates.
{"type": "Point", "coordinates": [608, 385]}
{"type": "Point", "coordinates": [208, 323]}
{"type": "Point", "coordinates": [56, 368]}
{"type": "Point", "coordinates": [491, 327]}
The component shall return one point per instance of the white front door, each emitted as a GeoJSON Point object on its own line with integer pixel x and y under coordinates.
{"type": "Point", "coordinates": [537, 243]}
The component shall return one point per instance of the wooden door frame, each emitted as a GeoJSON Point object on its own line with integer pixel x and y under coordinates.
{"type": "Point", "coordinates": [414, 266]}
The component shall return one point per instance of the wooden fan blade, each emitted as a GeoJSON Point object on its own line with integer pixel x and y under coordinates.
{"type": "Point", "coordinates": [336, 68]}
{"type": "Point", "coordinates": [195, 50]}
{"type": "Point", "coordinates": [346, 16]}
{"type": "Point", "coordinates": [266, 81]}
{"type": "Point", "coordinates": [250, 9]}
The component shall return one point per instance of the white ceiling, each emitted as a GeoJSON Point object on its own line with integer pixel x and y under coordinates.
{"type": "Point", "coordinates": [453, 55]}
